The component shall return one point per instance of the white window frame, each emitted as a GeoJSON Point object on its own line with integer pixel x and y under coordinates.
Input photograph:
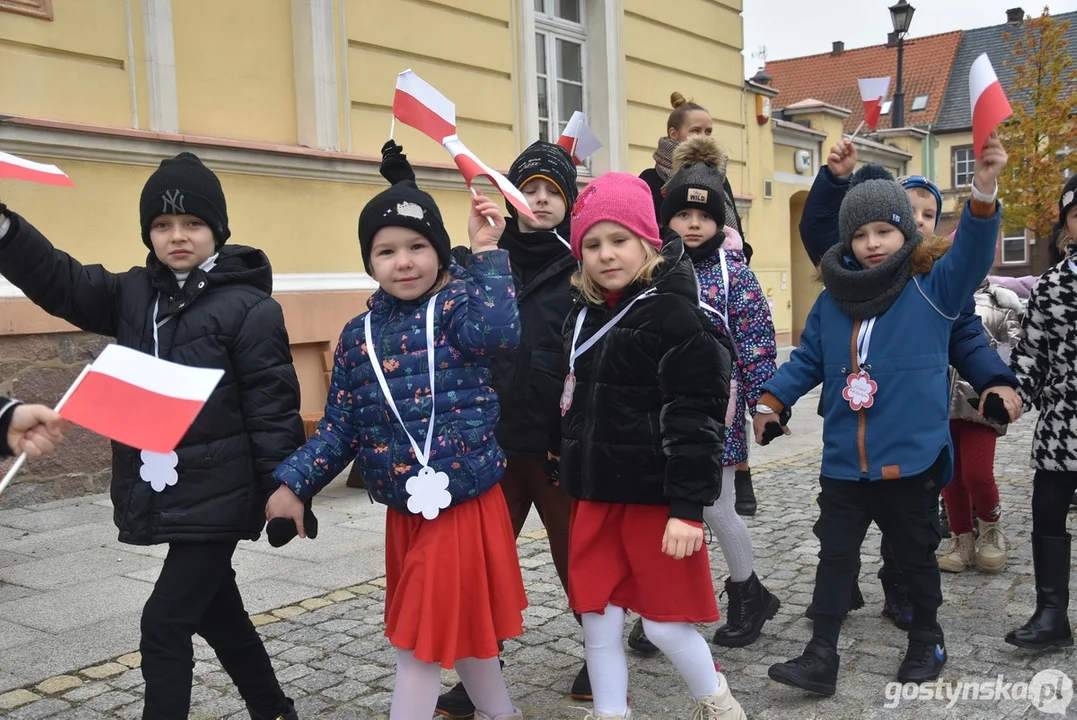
{"type": "Point", "coordinates": [969, 163]}
{"type": "Point", "coordinates": [884, 109]}
{"type": "Point", "coordinates": [553, 29]}
{"type": "Point", "coordinates": [1024, 250]}
{"type": "Point", "coordinates": [919, 99]}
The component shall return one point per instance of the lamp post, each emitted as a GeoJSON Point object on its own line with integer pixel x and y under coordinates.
{"type": "Point", "coordinates": [901, 15]}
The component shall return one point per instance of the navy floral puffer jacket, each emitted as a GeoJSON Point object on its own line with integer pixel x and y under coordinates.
{"type": "Point", "coordinates": [475, 319]}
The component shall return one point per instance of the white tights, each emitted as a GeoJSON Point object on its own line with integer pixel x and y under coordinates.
{"type": "Point", "coordinates": [729, 528]}
{"type": "Point", "coordinates": [418, 684]}
{"type": "Point", "coordinates": [608, 669]}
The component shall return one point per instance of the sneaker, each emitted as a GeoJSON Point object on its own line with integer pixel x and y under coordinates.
{"type": "Point", "coordinates": [720, 706]}
{"type": "Point", "coordinates": [581, 686]}
{"type": "Point", "coordinates": [960, 554]}
{"type": "Point", "coordinates": [456, 704]}
{"type": "Point", "coordinates": [924, 658]}
{"type": "Point", "coordinates": [516, 714]}
{"type": "Point", "coordinates": [991, 548]}
{"type": "Point", "coordinates": [816, 670]}
{"type": "Point", "coordinates": [637, 640]}
{"type": "Point", "coordinates": [592, 715]}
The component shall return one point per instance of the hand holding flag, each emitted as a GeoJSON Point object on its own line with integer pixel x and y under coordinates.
{"type": "Point", "coordinates": [989, 104]}
{"type": "Point", "coordinates": [989, 166]}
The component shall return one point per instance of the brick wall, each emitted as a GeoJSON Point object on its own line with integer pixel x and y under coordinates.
{"type": "Point", "coordinates": [39, 369]}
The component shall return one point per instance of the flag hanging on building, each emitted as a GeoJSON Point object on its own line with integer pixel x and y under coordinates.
{"type": "Point", "coordinates": [873, 92]}
{"type": "Point", "coordinates": [578, 139]}
{"type": "Point", "coordinates": [989, 104]}
{"type": "Point", "coordinates": [418, 104]}
{"type": "Point", "coordinates": [139, 400]}
{"type": "Point", "coordinates": [472, 167]}
{"type": "Point", "coordinates": [13, 167]}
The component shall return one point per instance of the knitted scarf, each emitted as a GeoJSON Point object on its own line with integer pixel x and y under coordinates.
{"type": "Point", "coordinates": [866, 292]}
{"type": "Point", "coordinates": [663, 158]}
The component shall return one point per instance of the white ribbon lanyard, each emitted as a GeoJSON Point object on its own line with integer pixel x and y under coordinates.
{"type": "Point", "coordinates": [428, 490]}
{"type": "Point", "coordinates": [570, 379]}
{"type": "Point", "coordinates": [863, 342]}
{"type": "Point", "coordinates": [725, 295]}
{"type": "Point", "coordinates": [563, 241]}
{"type": "Point", "coordinates": [860, 389]}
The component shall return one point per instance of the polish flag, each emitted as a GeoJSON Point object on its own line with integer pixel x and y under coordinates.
{"type": "Point", "coordinates": [419, 105]}
{"type": "Point", "coordinates": [578, 139]}
{"type": "Point", "coordinates": [989, 104]}
{"type": "Point", "coordinates": [471, 167]}
{"type": "Point", "coordinates": [13, 167]}
{"type": "Point", "coordinates": [873, 92]}
{"type": "Point", "coordinates": [139, 400]}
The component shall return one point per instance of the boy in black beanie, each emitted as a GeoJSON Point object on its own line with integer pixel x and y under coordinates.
{"type": "Point", "coordinates": [203, 303]}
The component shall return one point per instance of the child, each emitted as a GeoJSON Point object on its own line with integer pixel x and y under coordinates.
{"type": "Point", "coordinates": [735, 303]}
{"type": "Point", "coordinates": [527, 382]}
{"type": "Point", "coordinates": [1044, 362]}
{"type": "Point", "coordinates": [877, 340]}
{"type": "Point", "coordinates": [32, 429]}
{"type": "Point", "coordinates": [970, 353]}
{"type": "Point", "coordinates": [203, 303]}
{"type": "Point", "coordinates": [410, 400]}
{"type": "Point", "coordinates": [643, 404]}
{"type": "Point", "coordinates": [974, 435]}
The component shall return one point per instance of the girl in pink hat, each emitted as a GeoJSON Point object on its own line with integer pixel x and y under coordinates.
{"type": "Point", "coordinates": [640, 442]}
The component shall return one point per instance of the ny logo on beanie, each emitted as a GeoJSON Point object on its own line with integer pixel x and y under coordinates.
{"type": "Point", "coordinates": [173, 203]}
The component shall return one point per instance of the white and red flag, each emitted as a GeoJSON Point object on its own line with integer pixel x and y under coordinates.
{"type": "Point", "coordinates": [139, 400]}
{"type": "Point", "coordinates": [578, 139]}
{"type": "Point", "coordinates": [873, 92]}
{"type": "Point", "coordinates": [13, 167]}
{"type": "Point", "coordinates": [472, 167]}
{"type": "Point", "coordinates": [418, 104]}
{"type": "Point", "coordinates": [989, 104]}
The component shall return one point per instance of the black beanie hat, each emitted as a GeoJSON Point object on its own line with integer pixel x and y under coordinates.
{"type": "Point", "coordinates": [697, 181]}
{"type": "Point", "coordinates": [184, 186]}
{"type": "Point", "coordinates": [549, 162]}
{"type": "Point", "coordinates": [1067, 200]}
{"type": "Point", "coordinates": [404, 205]}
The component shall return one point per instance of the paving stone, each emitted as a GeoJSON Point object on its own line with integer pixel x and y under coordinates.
{"type": "Point", "coordinates": [17, 698]}
{"type": "Point", "coordinates": [58, 684]}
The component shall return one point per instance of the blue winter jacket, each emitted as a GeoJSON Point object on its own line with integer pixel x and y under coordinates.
{"type": "Point", "coordinates": [970, 352]}
{"type": "Point", "coordinates": [476, 319]}
{"type": "Point", "coordinates": [907, 427]}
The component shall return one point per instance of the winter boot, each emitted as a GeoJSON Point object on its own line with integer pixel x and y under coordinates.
{"type": "Point", "coordinates": [720, 706]}
{"type": "Point", "coordinates": [637, 640]}
{"type": "Point", "coordinates": [290, 714]}
{"type": "Point", "coordinates": [516, 714]}
{"type": "Point", "coordinates": [456, 704]}
{"type": "Point", "coordinates": [856, 601]}
{"type": "Point", "coordinates": [991, 547]}
{"type": "Point", "coordinates": [750, 606]}
{"type": "Point", "coordinates": [816, 670]}
{"type": "Point", "coordinates": [896, 605]}
{"type": "Point", "coordinates": [1049, 626]}
{"type": "Point", "coordinates": [581, 686]}
{"type": "Point", "coordinates": [745, 494]}
{"type": "Point", "coordinates": [960, 554]}
{"type": "Point", "coordinates": [924, 657]}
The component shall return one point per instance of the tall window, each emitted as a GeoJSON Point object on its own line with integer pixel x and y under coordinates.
{"type": "Point", "coordinates": [1014, 248]}
{"type": "Point", "coordinates": [964, 166]}
{"type": "Point", "coordinates": [560, 39]}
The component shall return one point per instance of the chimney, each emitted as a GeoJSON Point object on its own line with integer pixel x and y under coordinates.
{"type": "Point", "coordinates": [839, 48]}
{"type": "Point", "coordinates": [761, 78]}
{"type": "Point", "coordinates": [891, 39]}
{"type": "Point", "coordinates": [1015, 16]}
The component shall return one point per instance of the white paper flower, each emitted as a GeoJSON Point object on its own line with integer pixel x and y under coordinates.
{"type": "Point", "coordinates": [159, 469]}
{"type": "Point", "coordinates": [429, 493]}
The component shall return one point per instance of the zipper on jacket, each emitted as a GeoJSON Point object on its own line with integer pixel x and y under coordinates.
{"type": "Point", "coordinates": [861, 414]}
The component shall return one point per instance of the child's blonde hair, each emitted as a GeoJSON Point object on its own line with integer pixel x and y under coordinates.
{"type": "Point", "coordinates": [593, 292]}
{"type": "Point", "coordinates": [1064, 240]}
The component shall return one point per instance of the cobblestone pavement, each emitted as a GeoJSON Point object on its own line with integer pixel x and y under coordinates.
{"type": "Point", "coordinates": [332, 657]}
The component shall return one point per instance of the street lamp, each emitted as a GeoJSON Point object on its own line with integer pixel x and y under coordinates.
{"type": "Point", "coordinates": [901, 14]}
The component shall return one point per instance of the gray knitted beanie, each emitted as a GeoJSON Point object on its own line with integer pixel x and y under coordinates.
{"type": "Point", "coordinates": [875, 196]}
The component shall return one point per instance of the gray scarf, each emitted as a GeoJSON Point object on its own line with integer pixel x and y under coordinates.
{"type": "Point", "coordinates": [663, 158]}
{"type": "Point", "coordinates": [866, 292]}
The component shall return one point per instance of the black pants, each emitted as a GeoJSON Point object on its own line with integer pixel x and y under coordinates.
{"type": "Point", "coordinates": [1051, 495]}
{"type": "Point", "coordinates": [906, 511]}
{"type": "Point", "coordinates": [197, 593]}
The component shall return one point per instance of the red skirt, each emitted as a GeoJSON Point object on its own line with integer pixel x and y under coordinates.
{"type": "Point", "coordinates": [615, 558]}
{"type": "Point", "coordinates": [453, 584]}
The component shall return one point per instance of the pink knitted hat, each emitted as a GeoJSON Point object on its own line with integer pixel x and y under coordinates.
{"type": "Point", "coordinates": [620, 198]}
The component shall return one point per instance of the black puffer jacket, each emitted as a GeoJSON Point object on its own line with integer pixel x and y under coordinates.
{"type": "Point", "coordinates": [221, 319]}
{"type": "Point", "coordinates": [645, 424]}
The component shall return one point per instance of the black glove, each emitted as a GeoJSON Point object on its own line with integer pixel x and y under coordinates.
{"type": "Point", "coordinates": [774, 430]}
{"type": "Point", "coordinates": [281, 530]}
{"type": "Point", "coordinates": [553, 471]}
{"type": "Point", "coordinates": [994, 409]}
{"type": "Point", "coordinates": [394, 164]}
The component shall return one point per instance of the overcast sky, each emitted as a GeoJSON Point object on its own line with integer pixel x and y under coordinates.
{"type": "Point", "coordinates": [793, 28]}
